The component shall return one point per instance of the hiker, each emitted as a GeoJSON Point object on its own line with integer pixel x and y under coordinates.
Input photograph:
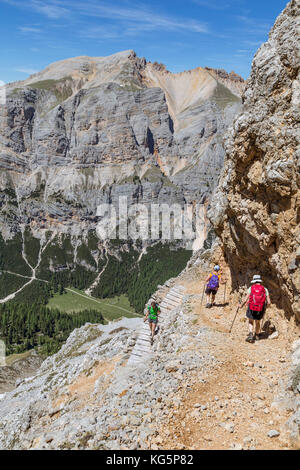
{"type": "Point", "coordinates": [257, 299]}
{"type": "Point", "coordinates": [152, 316]}
{"type": "Point", "coordinates": [213, 284]}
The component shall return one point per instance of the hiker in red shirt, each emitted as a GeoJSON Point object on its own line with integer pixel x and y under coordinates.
{"type": "Point", "coordinates": [257, 299]}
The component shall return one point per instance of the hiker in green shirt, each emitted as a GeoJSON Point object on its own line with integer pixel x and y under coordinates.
{"type": "Point", "coordinates": [152, 316]}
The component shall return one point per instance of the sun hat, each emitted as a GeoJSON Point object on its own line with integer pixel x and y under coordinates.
{"type": "Point", "coordinates": [256, 279]}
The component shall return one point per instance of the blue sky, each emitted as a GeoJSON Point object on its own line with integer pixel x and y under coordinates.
{"type": "Point", "coordinates": [183, 34]}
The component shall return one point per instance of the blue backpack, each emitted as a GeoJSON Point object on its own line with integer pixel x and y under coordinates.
{"type": "Point", "coordinates": [213, 282]}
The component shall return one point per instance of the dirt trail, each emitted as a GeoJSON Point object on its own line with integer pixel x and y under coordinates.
{"type": "Point", "coordinates": [233, 408]}
{"type": "Point", "coordinates": [90, 289]}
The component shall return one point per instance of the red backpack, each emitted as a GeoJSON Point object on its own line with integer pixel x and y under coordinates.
{"type": "Point", "coordinates": [257, 298]}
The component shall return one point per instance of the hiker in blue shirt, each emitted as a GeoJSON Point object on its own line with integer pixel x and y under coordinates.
{"type": "Point", "coordinates": [213, 284]}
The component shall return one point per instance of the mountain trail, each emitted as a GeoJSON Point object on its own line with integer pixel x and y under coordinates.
{"type": "Point", "coordinates": [95, 283]}
{"type": "Point", "coordinates": [232, 408]}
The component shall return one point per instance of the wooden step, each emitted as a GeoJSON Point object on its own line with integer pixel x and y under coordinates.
{"type": "Point", "coordinates": [171, 301]}
{"type": "Point", "coordinates": [174, 297]}
{"type": "Point", "coordinates": [169, 306]}
{"type": "Point", "coordinates": [172, 304]}
{"type": "Point", "coordinates": [143, 352]}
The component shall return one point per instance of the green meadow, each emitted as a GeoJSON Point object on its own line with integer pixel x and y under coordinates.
{"type": "Point", "coordinates": [75, 300]}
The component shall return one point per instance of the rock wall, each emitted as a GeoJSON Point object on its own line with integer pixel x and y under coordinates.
{"type": "Point", "coordinates": [256, 210]}
{"type": "Point", "coordinates": [288, 398]}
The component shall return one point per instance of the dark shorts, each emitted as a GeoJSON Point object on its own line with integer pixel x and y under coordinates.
{"type": "Point", "coordinates": [211, 291]}
{"type": "Point", "coordinates": [151, 320]}
{"type": "Point", "coordinates": [252, 315]}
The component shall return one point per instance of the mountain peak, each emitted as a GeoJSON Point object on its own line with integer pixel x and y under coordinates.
{"type": "Point", "coordinates": [79, 67]}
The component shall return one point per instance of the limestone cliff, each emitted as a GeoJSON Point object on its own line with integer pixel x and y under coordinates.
{"type": "Point", "coordinates": [256, 209]}
{"type": "Point", "coordinates": [85, 131]}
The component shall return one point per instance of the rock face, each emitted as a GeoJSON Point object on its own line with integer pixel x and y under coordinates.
{"type": "Point", "coordinates": [289, 397]}
{"type": "Point", "coordinates": [256, 209]}
{"type": "Point", "coordinates": [18, 370]}
{"type": "Point", "coordinates": [86, 131]}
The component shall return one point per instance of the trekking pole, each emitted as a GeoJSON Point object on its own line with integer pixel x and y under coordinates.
{"type": "Point", "coordinates": [203, 294]}
{"type": "Point", "coordinates": [234, 319]}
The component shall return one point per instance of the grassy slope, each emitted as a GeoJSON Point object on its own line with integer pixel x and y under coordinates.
{"type": "Point", "coordinates": [223, 96]}
{"type": "Point", "coordinates": [17, 357]}
{"type": "Point", "coordinates": [70, 302]}
{"type": "Point", "coordinates": [61, 88]}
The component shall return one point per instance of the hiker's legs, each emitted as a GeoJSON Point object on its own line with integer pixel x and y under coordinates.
{"type": "Point", "coordinates": [250, 337]}
{"type": "Point", "coordinates": [250, 325]}
{"type": "Point", "coordinates": [249, 315]}
{"type": "Point", "coordinates": [257, 328]}
{"type": "Point", "coordinates": [210, 297]}
{"type": "Point", "coordinates": [153, 326]}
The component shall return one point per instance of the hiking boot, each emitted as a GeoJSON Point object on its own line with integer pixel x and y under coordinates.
{"type": "Point", "coordinates": [250, 338]}
{"type": "Point", "coordinates": [208, 305]}
{"type": "Point", "coordinates": [152, 341]}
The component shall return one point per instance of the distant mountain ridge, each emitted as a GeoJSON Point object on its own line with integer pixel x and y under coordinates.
{"type": "Point", "coordinates": [93, 125]}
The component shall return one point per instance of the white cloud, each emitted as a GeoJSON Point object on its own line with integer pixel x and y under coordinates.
{"type": "Point", "coordinates": [50, 8]}
{"type": "Point", "coordinates": [52, 11]}
{"type": "Point", "coordinates": [213, 4]}
{"type": "Point", "coordinates": [138, 19]}
{"type": "Point", "coordinates": [29, 29]}
{"type": "Point", "coordinates": [27, 71]}
{"type": "Point", "coordinates": [125, 21]}
{"type": "Point", "coordinates": [100, 32]}
{"type": "Point", "coordinates": [254, 25]}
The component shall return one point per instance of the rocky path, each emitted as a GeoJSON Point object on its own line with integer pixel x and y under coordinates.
{"type": "Point", "coordinates": [142, 348]}
{"type": "Point", "coordinates": [233, 408]}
